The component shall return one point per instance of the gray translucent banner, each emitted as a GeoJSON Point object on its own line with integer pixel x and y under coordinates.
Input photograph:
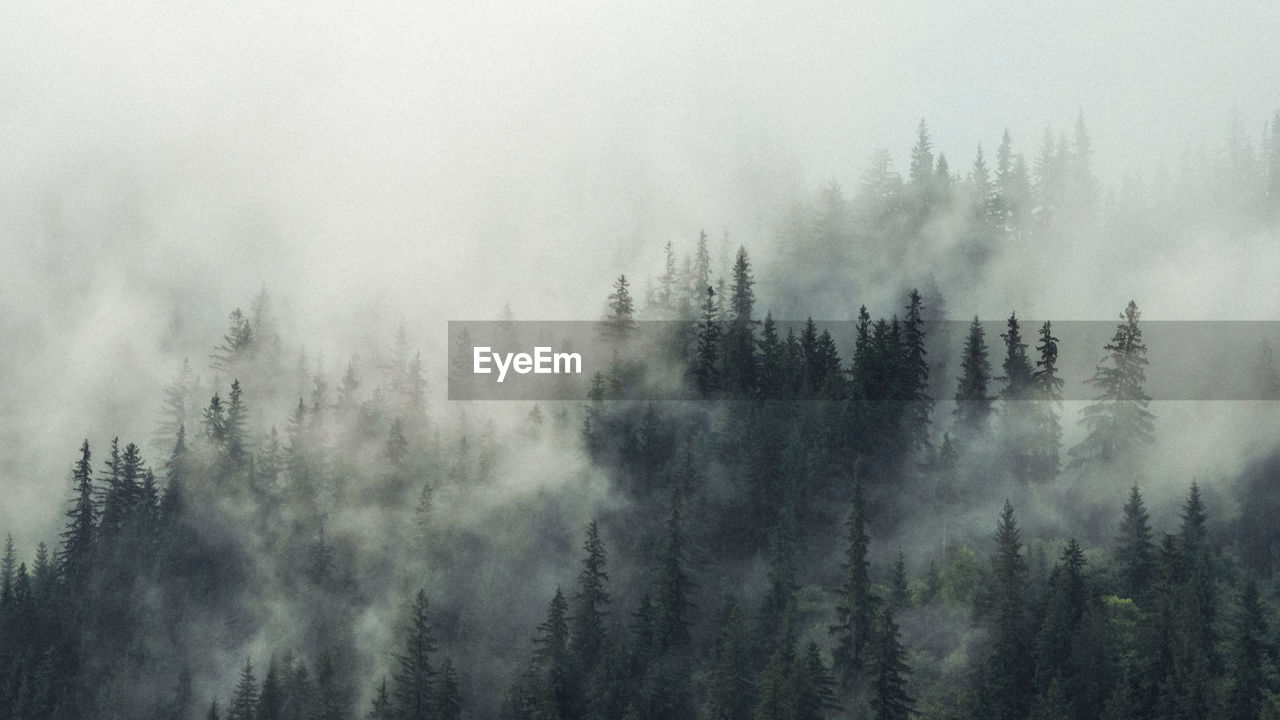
{"type": "Point", "coordinates": [557, 360]}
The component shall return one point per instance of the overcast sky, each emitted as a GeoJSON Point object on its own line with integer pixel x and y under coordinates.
{"type": "Point", "coordinates": [161, 161]}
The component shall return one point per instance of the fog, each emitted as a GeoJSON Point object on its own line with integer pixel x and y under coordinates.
{"type": "Point", "coordinates": [421, 163]}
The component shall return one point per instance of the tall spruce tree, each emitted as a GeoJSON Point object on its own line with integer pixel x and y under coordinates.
{"type": "Point", "coordinates": [554, 694]}
{"type": "Point", "coordinates": [889, 697]}
{"type": "Point", "coordinates": [1118, 421]}
{"type": "Point", "coordinates": [706, 361]}
{"type": "Point", "coordinates": [244, 704]}
{"type": "Point", "coordinates": [1250, 654]}
{"type": "Point", "coordinates": [1018, 414]}
{"type": "Point", "coordinates": [620, 324]}
{"type": "Point", "coordinates": [916, 369]}
{"type": "Point", "coordinates": [1136, 554]}
{"type": "Point", "coordinates": [973, 404]}
{"type": "Point", "coordinates": [413, 676]}
{"type": "Point", "coordinates": [730, 687]}
{"type": "Point", "coordinates": [592, 599]}
{"type": "Point", "coordinates": [1008, 673]}
{"type": "Point", "coordinates": [856, 603]}
{"type": "Point", "coordinates": [78, 538]}
{"type": "Point", "coordinates": [1046, 389]}
{"type": "Point", "coordinates": [740, 362]}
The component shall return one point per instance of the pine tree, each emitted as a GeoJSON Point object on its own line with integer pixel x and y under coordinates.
{"type": "Point", "coordinates": [1017, 368]}
{"type": "Point", "coordinates": [855, 604]}
{"type": "Point", "coordinates": [415, 389]}
{"type": "Point", "coordinates": [1248, 653]}
{"type": "Point", "coordinates": [76, 555]}
{"type": "Point", "coordinates": [1008, 672]}
{"type": "Point", "coordinates": [771, 381]}
{"type": "Point", "coordinates": [7, 566]}
{"type": "Point", "coordinates": [555, 694]}
{"type": "Point", "coordinates": [922, 173]}
{"type": "Point", "coordinates": [230, 357]}
{"type": "Point", "coordinates": [592, 599]}
{"type": "Point", "coordinates": [1013, 188]}
{"type": "Point", "coordinates": [271, 699]}
{"type": "Point", "coordinates": [948, 458]}
{"type": "Point", "coordinates": [916, 368]}
{"type": "Point", "coordinates": [177, 406]}
{"type": "Point", "coordinates": [1018, 415]}
{"type": "Point", "coordinates": [706, 364]}
{"type": "Point", "coordinates": [329, 701]}
{"type": "Point", "coordinates": [973, 405]}
{"type": "Point", "coordinates": [1196, 565]}
{"type": "Point", "coordinates": [820, 696]}
{"type": "Point", "coordinates": [448, 699]}
{"type": "Point", "coordinates": [1046, 389]}
{"type": "Point", "coordinates": [1064, 610]}
{"type": "Point", "coordinates": [985, 207]}
{"type": "Point", "coordinates": [774, 693]}
{"type": "Point", "coordinates": [381, 709]}
{"type": "Point", "coordinates": [899, 592]}
{"type": "Point", "coordinates": [700, 272]}
{"type": "Point", "coordinates": [1048, 178]}
{"type": "Point", "coordinates": [730, 690]}
{"type": "Point", "coordinates": [944, 182]}
{"type": "Point", "coordinates": [889, 697]}
{"type": "Point", "coordinates": [1118, 421]}
{"type": "Point", "coordinates": [413, 676]}
{"type": "Point", "coordinates": [740, 363]}
{"type": "Point", "coordinates": [620, 323]}
{"type": "Point", "coordinates": [234, 428]}
{"type": "Point", "coordinates": [215, 423]}
{"type": "Point", "coordinates": [671, 585]}
{"type": "Point", "coordinates": [244, 705]}
{"type": "Point", "coordinates": [666, 298]}
{"type": "Point", "coordinates": [863, 372]}
{"type": "Point", "coordinates": [1136, 554]}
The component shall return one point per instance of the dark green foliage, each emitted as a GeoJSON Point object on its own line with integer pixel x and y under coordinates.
{"type": "Point", "coordinates": [973, 404]}
{"type": "Point", "coordinates": [1008, 688]}
{"type": "Point", "coordinates": [1135, 553]}
{"type": "Point", "coordinates": [76, 554]}
{"type": "Point", "coordinates": [730, 689]}
{"type": "Point", "coordinates": [889, 672]}
{"type": "Point", "coordinates": [1250, 654]}
{"type": "Point", "coordinates": [244, 704]}
{"type": "Point", "coordinates": [590, 633]}
{"type": "Point", "coordinates": [899, 597]}
{"type": "Point", "coordinates": [916, 371]}
{"type": "Point", "coordinates": [740, 363]}
{"type": "Point", "coordinates": [706, 359]}
{"type": "Point", "coordinates": [671, 584]}
{"type": "Point", "coordinates": [448, 701]}
{"type": "Point", "coordinates": [413, 676]}
{"type": "Point", "coordinates": [855, 602]}
{"type": "Point", "coordinates": [271, 698]}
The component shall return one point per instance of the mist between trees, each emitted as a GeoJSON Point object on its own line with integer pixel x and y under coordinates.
{"type": "Point", "coordinates": [1189, 347]}
{"type": "Point", "coordinates": [896, 514]}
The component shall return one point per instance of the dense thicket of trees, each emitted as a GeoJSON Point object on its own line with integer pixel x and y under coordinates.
{"type": "Point", "coordinates": [747, 562]}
